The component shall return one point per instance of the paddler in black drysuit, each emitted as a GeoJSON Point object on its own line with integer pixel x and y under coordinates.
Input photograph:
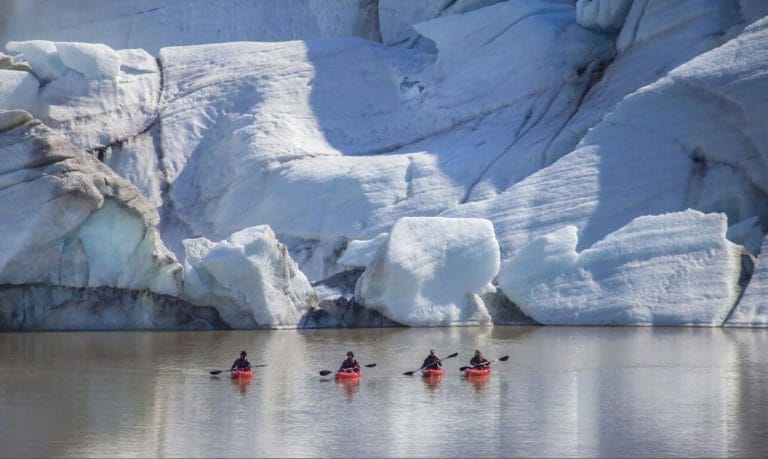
{"type": "Point", "coordinates": [432, 362]}
{"type": "Point", "coordinates": [241, 364]}
{"type": "Point", "coordinates": [479, 362]}
{"type": "Point", "coordinates": [350, 364]}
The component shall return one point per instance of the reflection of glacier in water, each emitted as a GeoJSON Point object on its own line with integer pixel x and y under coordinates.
{"type": "Point", "coordinates": [564, 391]}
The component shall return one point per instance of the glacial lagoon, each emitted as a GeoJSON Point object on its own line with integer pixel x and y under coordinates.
{"type": "Point", "coordinates": [565, 391]}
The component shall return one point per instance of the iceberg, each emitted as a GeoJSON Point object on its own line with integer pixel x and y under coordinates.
{"type": "Point", "coordinates": [672, 269]}
{"type": "Point", "coordinates": [249, 277]}
{"type": "Point", "coordinates": [418, 278]}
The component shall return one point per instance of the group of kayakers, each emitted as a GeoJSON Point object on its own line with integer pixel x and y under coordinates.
{"type": "Point", "coordinates": [350, 364]}
{"type": "Point", "coordinates": [433, 362]}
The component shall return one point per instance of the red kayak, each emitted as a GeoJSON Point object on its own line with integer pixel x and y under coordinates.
{"type": "Point", "coordinates": [236, 374]}
{"type": "Point", "coordinates": [348, 374]}
{"type": "Point", "coordinates": [430, 373]}
{"type": "Point", "coordinates": [477, 372]}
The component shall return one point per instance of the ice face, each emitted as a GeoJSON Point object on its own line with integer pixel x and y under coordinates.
{"type": "Point", "coordinates": [752, 310]}
{"type": "Point", "coordinates": [671, 269]}
{"type": "Point", "coordinates": [431, 271]}
{"type": "Point", "coordinates": [249, 277]}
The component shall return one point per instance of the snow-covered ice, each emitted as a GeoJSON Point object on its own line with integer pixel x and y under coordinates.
{"type": "Point", "coordinates": [672, 269]}
{"type": "Point", "coordinates": [69, 220]}
{"type": "Point", "coordinates": [432, 271]}
{"type": "Point", "coordinates": [249, 277]}
{"type": "Point", "coordinates": [607, 15]}
{"type": "Point", "coordinates": [94, 95]}
{"type": "Point", "coordinates": [153, 24]}
{"type": "Point", "coordinates": [604, 150]}
{"type": "Point", "coordinates": [360, 253]}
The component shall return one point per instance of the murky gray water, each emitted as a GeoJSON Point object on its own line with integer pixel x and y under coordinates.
{"type": "Point", "coordinates": [563, 392]}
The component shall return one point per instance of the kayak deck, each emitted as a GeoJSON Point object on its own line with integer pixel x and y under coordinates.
{"type": "Point", "coordinates": [477, 372]}
{"type": "Point", "coordinates": [241, 374]}
{"type": "Point", "coordinates": [432, 373]}
{"type": "Point", "coordinates": [348, 374]}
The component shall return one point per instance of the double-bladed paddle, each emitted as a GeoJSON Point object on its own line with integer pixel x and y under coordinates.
{"type": "Point", "coordinates": [327, 372]}
{"type": "Point", "coordinates": [500, 359]}
{"type": "Point", "coordinates": [410, 373]}
{"type": "Point", "coordinates": [215, 372]}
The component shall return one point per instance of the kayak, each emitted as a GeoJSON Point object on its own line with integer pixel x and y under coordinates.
{"type": "Point", "coordinates": [241, 374]}
{"type": "Point", "coordinates": [347, 374]}
{"type": "Point", "coordinates": [476, 372]}
{"type": "Point", "coordinates": [429, 373]}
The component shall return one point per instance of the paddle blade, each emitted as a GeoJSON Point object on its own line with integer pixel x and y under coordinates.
{"type": "Point", "coordinates": [215, 372]}
{"type": "Point", "coordinates": [262, 365]}
{"type": "Point", "coordinates": [464, 368]}
{"type": "Point", "coordinates": [504, 359]}
{"type": "Point", "coordinates": [451, 356]}
{"type": "Point", "coordinates": [409, 373]}
{"type": "Point", "coordinates": [370, 365]}
{"type": "Point", "coordinates": [325, 372]}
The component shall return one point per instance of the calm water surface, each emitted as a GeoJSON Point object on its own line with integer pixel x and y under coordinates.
{"type": "Point", "coordinates": [563, 392]}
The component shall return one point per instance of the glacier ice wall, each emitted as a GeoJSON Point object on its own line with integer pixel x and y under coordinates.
{"type": "Point", "coordinates": [89, 228]}
{"type": "Point", "coordinates": [537, 116]}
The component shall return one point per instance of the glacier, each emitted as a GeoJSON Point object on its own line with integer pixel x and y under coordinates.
{"type": "Point", "coordinates": [390, 163]}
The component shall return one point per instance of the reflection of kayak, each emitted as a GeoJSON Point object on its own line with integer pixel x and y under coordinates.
{"type": "Point", "coordinates": [347, 375]}
{"type": "Point", "coordinates": [476, 372]}
{"type": "Point", "coordinates": [237, 374]}
{"type": "Point", "coordinates": [429, 373]}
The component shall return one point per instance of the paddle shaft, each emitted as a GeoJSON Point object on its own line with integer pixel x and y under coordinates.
{"type": "Point", "coordinates": [500, 359]}
{"type": "Point", "coordinates": [410, 373]}
{"type": "Point", "coordinates": [327, 372]}
{"type": "Point", "coordinates": [215, 372]}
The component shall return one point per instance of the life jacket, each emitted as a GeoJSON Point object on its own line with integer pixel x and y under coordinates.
{"type": "Point", "coordinates": [432, 362]}
{"type": "Point", "coordinates": [242, 364]}
{"type": "Point", "coordinates": [350, 364]}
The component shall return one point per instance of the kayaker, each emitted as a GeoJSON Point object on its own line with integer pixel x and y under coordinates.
{"type": "Point", "coordinates": [432, 362]}
{"type": "Point", "coordinates": [350, 364]}
{"type": "Point", "coordinates": [479, 362]}
{"type": "Point", "coordinates": [241, 364]}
